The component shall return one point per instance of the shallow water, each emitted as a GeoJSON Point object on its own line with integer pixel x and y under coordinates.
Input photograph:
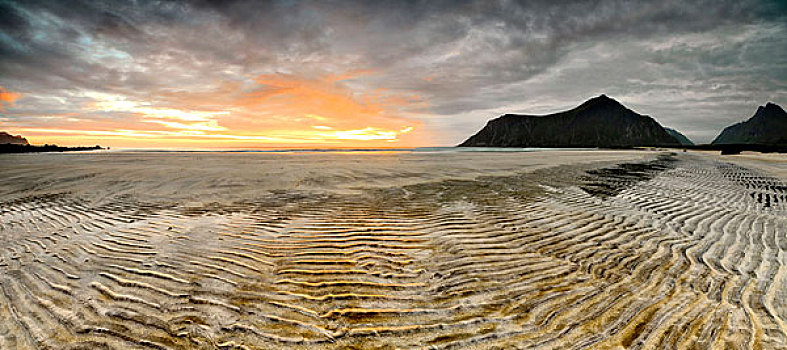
{"type": "Point", "coordinates": [441, 250]}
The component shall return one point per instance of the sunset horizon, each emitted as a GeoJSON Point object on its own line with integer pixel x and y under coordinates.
{"type": "Point", "coordinates": [405, 174]}
{"type": "Point", "coordinates": [242, 74]}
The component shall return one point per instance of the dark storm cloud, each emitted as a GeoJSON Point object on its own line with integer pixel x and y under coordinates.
{"type": "Point", "coordinates": [694, 65]}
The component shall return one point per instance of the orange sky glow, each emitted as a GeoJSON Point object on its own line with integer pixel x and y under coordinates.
{"type": "Point", "coordinates": [7, 98]}
{"type": "Point", "coordinates": [276, 110]}
{"type": "Point", "coordinates": [373, 74]}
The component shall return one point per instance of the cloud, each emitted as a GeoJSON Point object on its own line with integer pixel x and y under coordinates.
{"type": "Point", "coordinates": [277, 109]}
{"type": "Point", "coordinates": [7, 97]}
{"type": "Point", "coordinates": [276, 69]}
{"type": "Point", "coordinates": [324, 99]}
{"type": "Point", "coordinates": [197, 122]}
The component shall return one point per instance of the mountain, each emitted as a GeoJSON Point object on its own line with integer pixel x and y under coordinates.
{"type": "Point", "coordinates": [680, 137]}
{"type": "Point", "coordinates": [768, 126]}
{"type": "Point", "coordinates": [599, 122]}
{"type": "Point", "coordinates": [6, 138]}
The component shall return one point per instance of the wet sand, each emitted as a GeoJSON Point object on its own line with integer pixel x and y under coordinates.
{"type": "Point", "coordinates": [545, 250]}
{"type": "Point", "coordinates": [774, 164]}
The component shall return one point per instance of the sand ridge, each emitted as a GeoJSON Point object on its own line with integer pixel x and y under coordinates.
{"type": "Point", "coordinates": [660, 251]}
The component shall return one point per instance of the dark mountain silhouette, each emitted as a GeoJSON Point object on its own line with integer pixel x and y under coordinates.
{"type": "Point", "coordinates": [599, 122]}
{"type": "Point", "coordinates": [12, 148]}
{"type": "Point", "coordinates": [680, 137]}
{"type": "Point", "coordinates": [768, 126]}
{"type": "Point", "coordinates": [6, 138]}
{"type": "Point", "coordinates": [18, 144]}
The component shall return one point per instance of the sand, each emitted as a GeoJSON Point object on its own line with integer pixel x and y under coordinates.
{"type": "Point", "coordinates": [775, 164]}
{"type": "Point", "coordinates": [544, 250]}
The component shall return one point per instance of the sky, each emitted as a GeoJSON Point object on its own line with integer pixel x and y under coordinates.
{"type": "Point", "coordinates": [225, 74]}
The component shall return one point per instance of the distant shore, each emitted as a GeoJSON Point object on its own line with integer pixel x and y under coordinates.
{"type": "Point", "coordinates": [738, 148]}
{"type": "Point", "coordinates": [723, 148]}
{"type": "Point", "coordinates": [15, 148]}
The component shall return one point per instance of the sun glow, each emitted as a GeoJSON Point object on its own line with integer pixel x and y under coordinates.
{"type": "Point", "coordinates": [277, 111]}
{"type": "Point", "coordinates": [188, 120]}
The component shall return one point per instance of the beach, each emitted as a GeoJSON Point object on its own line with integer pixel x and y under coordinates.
{"type": "Point", "coordinates": [596, 249]}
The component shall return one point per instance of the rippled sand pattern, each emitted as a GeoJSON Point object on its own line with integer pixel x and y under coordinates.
{"type": "Point", "coordinates": [679, 252]}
